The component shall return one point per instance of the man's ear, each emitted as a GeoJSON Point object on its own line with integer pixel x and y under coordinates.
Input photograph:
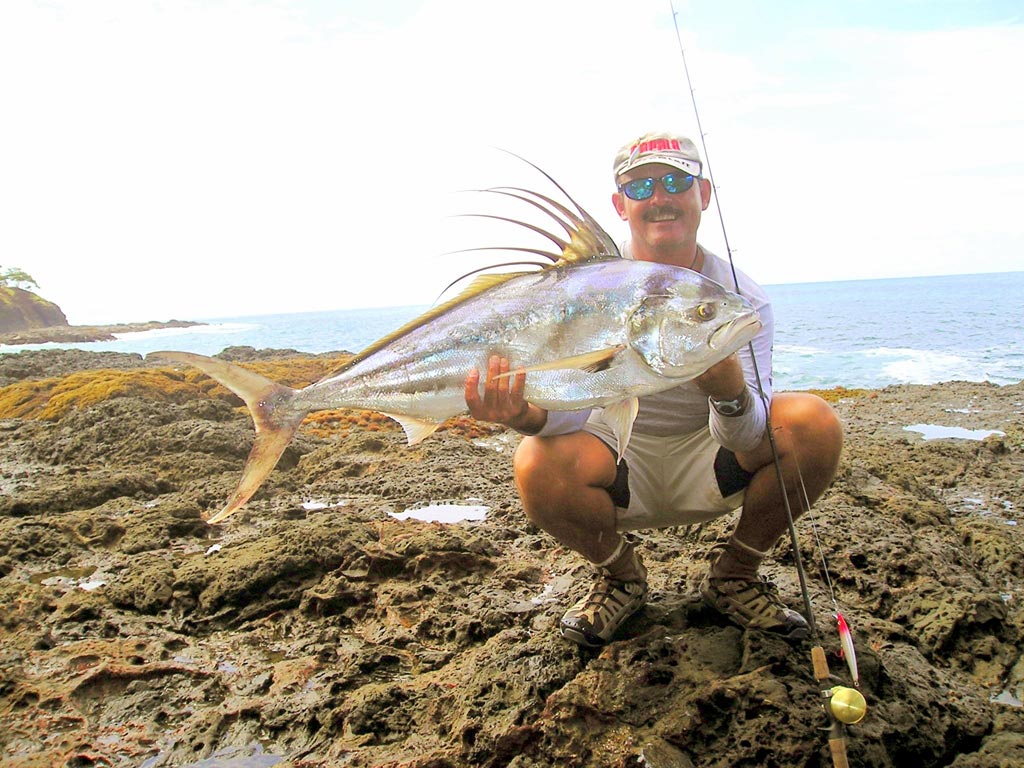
{"type": "Point", "coordinates": [620, 204]}
{"type": "Point", "coordinates": [705, 193]}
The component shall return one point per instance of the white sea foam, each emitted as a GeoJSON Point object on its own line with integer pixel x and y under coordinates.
{"type": "Point", "coordinates": [918, 366]}
{"type": "Point", "coordinates": [797, 349]}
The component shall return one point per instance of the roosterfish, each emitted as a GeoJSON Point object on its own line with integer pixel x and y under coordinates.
{"type": "Point", "coordinates": [588, 327]}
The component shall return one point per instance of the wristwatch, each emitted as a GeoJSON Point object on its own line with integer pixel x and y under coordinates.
{"type": "Point", "coordinates": [735, 407]}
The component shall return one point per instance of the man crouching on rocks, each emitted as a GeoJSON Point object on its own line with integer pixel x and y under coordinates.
{"type": "Point", "coordinates": [697, 451]}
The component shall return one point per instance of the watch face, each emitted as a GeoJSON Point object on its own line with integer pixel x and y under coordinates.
{"type": "Point", "coordinates": [727, 407]}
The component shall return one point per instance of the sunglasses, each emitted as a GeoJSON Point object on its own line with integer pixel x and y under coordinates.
{"type": "Point", "coordinates": [643, 189]}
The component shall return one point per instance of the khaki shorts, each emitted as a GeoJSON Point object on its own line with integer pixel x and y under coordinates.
{"type": "Point", "coordinates": [675, 480]}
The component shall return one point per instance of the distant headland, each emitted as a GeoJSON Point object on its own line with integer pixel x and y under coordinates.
{"type": "Point", "coordinates": [26, 318]}
{"type": "Point", "coordinates": [66, 334]}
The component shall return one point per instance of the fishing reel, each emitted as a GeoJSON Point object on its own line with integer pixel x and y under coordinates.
{"type": "Point", "coordinates": [843, 705]}
{"type": "Point", "coordinates": [846, 704]}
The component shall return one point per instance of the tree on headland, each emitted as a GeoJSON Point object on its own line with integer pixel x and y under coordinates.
{"type": "Point", "coordinates": [14, 276]}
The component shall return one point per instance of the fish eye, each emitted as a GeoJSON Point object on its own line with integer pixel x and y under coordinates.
{"type": "Point", "coordinates": [705, 311]}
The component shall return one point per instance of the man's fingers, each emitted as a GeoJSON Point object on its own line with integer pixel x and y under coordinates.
{"type": "Point", "coordinates": [503, 369]}
{"type": "Point", "coordinates": [518, 386]}
{"type": "Point", "coordinates": [497, 382]}
{"type": "Point", "coordinates": [502, 396]}
{"type": "Point", "coordinates": [491, 385]}
{"type": "Point", "coordinates": [472, 388]}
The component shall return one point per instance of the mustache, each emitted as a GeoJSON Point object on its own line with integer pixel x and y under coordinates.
{"type": "Point", "coordinates": [661, 210]}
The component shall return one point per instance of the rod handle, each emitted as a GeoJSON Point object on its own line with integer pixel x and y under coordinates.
{"type": "Point", "coordinates": [820, 662]}
{"type": "Point", "coordinates": [838, 749]}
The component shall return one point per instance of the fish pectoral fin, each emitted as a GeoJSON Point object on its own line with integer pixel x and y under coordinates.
{"type": "Point", "coordinates": [416, 430]}
{"type": "Point", "coordinates": [620, 418]}
{"type": "Point", "coordinates": [589, 362]}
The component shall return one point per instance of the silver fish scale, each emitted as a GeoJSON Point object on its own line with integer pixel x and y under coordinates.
{"type": "Point", "coordinates": [532, 319]}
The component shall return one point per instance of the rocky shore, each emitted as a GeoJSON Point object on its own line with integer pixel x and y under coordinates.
{"type": "Point", "coordinates": [69, 334]}
{"type": "Point", "coordinates": [315, 628]}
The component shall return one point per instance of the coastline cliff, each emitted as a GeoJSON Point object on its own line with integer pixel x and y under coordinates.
{"type": "Point", "coordinates": [22, 310]}
{"type": "Point", "coordinates": [27, 318]}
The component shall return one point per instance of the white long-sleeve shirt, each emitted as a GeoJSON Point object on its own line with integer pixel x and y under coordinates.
{"type": "Point", "coordinates": [685, 409]}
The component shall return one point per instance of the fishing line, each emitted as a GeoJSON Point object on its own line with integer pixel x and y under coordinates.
{"type": "Point", "coordinates": [798, 560]}
{"type": "Point", "coordinates": [814, 530]}
{"type": "Point", "coordinates": [844, 706]}
{"type": "Point", "coordinates": [848, 653]}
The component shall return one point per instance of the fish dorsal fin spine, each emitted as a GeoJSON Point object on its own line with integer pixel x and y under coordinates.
{"type": "Point", "coordinates": [587, 242]}
{"type": "Point", "coordinates": [587, 239]}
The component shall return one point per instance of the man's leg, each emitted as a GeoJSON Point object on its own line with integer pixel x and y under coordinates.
{"type": "Point", "coordinates": [809, 439]}
{"type": "Point", "coordinates": [563, 483]}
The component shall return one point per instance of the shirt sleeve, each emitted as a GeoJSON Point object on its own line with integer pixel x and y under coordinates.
{"type": "Point", "coordinates": [564, 422]}
{"type": "Point", "coordinates": [745, 432]}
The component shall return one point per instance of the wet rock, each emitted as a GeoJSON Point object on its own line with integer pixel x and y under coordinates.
{"type": "Point", "coordinates": [317, 626]}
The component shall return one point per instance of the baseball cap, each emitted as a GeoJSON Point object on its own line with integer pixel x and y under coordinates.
{"type": "Point", "coordinates": [657, 147]}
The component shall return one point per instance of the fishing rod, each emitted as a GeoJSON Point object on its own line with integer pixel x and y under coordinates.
{"type": "Point", "coordinates": [842, 704]}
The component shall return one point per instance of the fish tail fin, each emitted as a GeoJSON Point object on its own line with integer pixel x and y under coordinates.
{"type": "Point", "coordinates": [273, 413]}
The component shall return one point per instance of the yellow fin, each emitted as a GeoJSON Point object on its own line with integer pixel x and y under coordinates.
{"type": "Point", "coordinates": [620, 418]}
{"type": "Point", "coordinates": [416, 430]}
{"type": "Point", "coordinates": [587, 240]}
{"type": "Point", "coordinates": [591, 362]}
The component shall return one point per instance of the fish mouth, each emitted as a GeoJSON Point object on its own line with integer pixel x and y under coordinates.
{"type": "Point", "coordinates": [741, 329]}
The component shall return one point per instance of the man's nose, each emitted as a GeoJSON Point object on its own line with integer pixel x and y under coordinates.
{"type": "Point", "coordinates": [660, 196]}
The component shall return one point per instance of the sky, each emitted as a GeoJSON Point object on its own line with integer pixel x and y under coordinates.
{"type": "Point", "coordinates": [198, 160]}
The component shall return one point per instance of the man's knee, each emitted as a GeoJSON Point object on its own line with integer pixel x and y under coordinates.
{"type": "Point", "coordinates": [542, 476]}
{"type": "Point", "coordinates": [808, 418]}
{"type": "Point", "coordinates": [530, 460]}
{"type": "Point", "coordinates": [803, 425]}
{"type": "Point", "coordinates": [813, 430]}
{"type": "Point", "coordinates": [548, 466]}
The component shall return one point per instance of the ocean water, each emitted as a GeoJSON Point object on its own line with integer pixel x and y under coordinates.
{"type": "Point", "coordinates": [921, 330]}
{"type": "Point", "coordinates": [863, 333]}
